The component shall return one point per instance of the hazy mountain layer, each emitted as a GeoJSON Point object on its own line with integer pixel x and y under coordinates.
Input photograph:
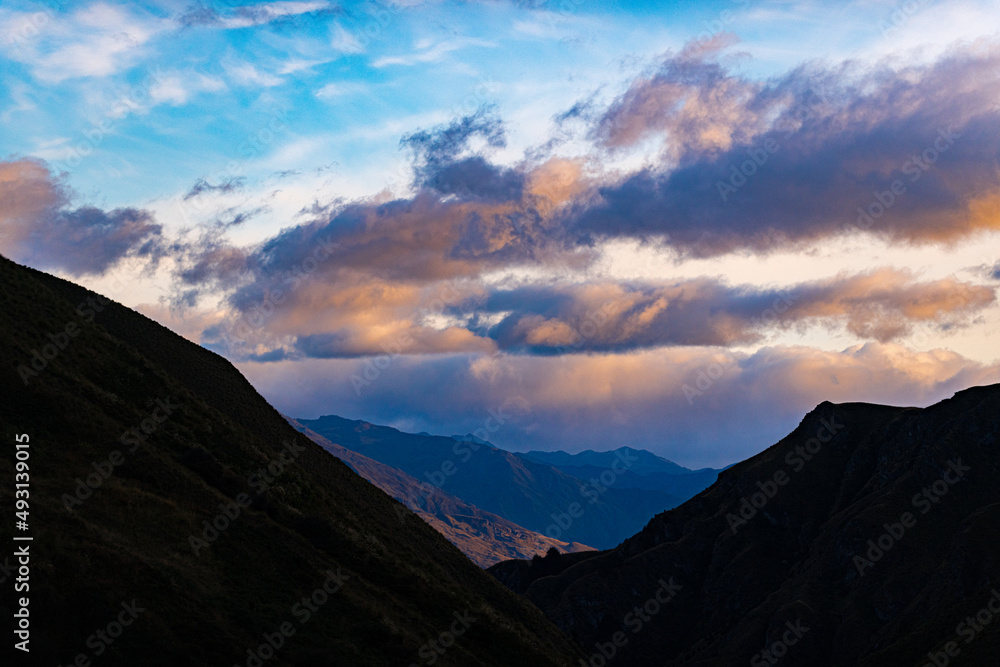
{"type": "Point", "coordinates": [534, 495]}
{"type": "Point", "coordinates": [482, 536]}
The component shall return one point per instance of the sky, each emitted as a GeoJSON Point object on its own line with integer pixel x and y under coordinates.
{"type": "Point", "coordinates": [556, 225]}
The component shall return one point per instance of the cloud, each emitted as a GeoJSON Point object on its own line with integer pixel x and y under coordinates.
{"type": "Point", "coordinates": [246, 16]}
{"type": "Point", "coordinates": [430, 53]}
{"type": "Point", "coordinates": [691, 104]}
{"type": "Point", "coordinates": [441, 162]}
{"type": "Point", "coordinates": [469, 216]}
{"type": "Point", "coordinates": [246, 74]}
{"type": "Point", "coordinates": [334, 90]}
{"type": "Point", "coordinates": [344, 41]}
{"type": "Point", "coordinates": [225, 186]}
{"type": "Point", "coordinates": [667, 400]}
{"type": "Point", "coordinates": [177, 88]}
{"type": "Point", "coordinates": [39, 227]}
{"type": "Point", "coordinates": [95, 41]}
{"type": "Point", "coordinates": [904, 153]}
{"type": "Point", "coordinates": [880, 305]}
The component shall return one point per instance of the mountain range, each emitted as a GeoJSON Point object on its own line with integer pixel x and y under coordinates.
{"type": "Point", "coordinates": [484, 537]}
{"type": "Point", "coordinates": [594, 506]}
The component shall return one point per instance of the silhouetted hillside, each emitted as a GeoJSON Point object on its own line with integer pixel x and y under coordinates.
{"type": "Point", "coordinates": [870, 535]}
{"type": "Point", "coordinates": [140, 441]}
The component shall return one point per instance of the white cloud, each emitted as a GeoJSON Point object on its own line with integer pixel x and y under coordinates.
{"type": "Point", "coordinates": [297, 65]}
{"type": "Point", "coordinates": [247, 75]}
{"type": "Point", "coordinates": [177, 88]}
{"type": "Point", "coordinates": [22, 101]}
{"type": "Point", "coordinates": [333, 90]}
{"type": "Point", "coordinates": [97, 41]}
{"type": "Point", "coordinates": [251, 15]}
{"type": "Point", "coordinates": [344, 41]}
{"type": "Point", "coordinates": [427, 53]}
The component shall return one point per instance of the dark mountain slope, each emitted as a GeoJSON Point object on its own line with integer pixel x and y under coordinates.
{"type": "Point", "coordinates": [534, 495]}
{"type": "Point", "coordinates": [882, 543]}
{"type": "Point", "coordinates": [209, 439]}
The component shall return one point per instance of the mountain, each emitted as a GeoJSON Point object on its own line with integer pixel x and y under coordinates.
{"type": "Point", "coordinates": [482, 536]}
{"type": "Point", "coordinates": [534, 495]}
{"type": "Point", "coordinates": [641, 462]}
{"type": "Point", "coordinates": [645, 470]}
{"type": "Point", "coordinates": [177, 519]}
{"type": "Point", "coordinates": [868, 536]}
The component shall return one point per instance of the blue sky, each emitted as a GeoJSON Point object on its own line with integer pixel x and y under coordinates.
{"type": "Point", "coordinates": [499, 178]}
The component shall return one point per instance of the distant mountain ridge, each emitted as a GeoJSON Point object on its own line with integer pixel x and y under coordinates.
{"type": "Point", "coordinates": [641, 461]}
{"type": "Point", "coordinates": [644, 470]}
{"type": "Point", "coordinates": [535, 495]}
{"type": "Point", "coordinates": [484, 537]}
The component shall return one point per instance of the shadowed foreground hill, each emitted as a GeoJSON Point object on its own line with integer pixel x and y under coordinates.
{"type": "Point", "coordinates": [868, 536]}
{"type": "Point", "coordinates": [203, 438]}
